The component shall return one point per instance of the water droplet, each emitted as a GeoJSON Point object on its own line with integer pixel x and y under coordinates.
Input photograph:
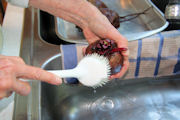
{"type": "Point", "coordinates": [106, 105]}
{"type": "Point", "coordinates": [94, 90]}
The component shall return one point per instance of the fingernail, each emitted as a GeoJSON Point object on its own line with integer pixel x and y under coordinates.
{"type": "Point", "coordinates": [58, 80]}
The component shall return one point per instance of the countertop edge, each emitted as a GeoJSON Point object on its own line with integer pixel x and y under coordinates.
{"type": "Point", "coordinates": [12, 28]}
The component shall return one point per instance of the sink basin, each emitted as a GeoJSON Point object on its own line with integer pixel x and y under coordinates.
{"type": "Point", "coordinates": [136, 99]}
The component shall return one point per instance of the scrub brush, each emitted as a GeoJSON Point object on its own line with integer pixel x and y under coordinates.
{"type": "Point", "coordinates": [92, 71]}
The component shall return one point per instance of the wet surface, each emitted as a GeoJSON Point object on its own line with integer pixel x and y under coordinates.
{"type": "Point", "coordinates": [135, 99]}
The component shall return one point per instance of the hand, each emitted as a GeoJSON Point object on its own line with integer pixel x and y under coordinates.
{"type": "Point", "coordinates": [14, 68]}
{"type": "Point", "coordinates": [125, 65]}
{"type": "Point", "coordinates": [93, 23]}
{"type": "Point", "coordinates": [100, 27]}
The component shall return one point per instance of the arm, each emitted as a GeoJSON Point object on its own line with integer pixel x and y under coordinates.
{"type": "Point", "coordinates": [94, 24]}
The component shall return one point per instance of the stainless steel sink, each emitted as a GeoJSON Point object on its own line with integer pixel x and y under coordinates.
{"type": "Point", "coordinates": [134, 99]}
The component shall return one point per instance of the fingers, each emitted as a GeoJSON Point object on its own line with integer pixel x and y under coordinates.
{"type": "Point", "coordinates": [122, 71]}
{"type": "Point", "coordinates": [35, 73]}
{"type": "Point", "coordinates": [8, 93]}
{"type": "Point", "coordinates": [13, 59]}
{"type": "Point", "coordinates": [12, 68]}
{"type": "Point", "coordinates": [5, 94]}
{"type": "Point", "coordinates": [122, 43]}
{"type": "Point", "coordinates": [2, 94]}
{"type": "Point", "coordinates": [124, 67]}
{"type": "Point", "coordinates": [20, 87]}
{"type": "Point", "coordinates": [90, 36]}
{"type": "Point", "coordinates": [114, 34]}
{"type": "Point", "coordinates": [84, 50]}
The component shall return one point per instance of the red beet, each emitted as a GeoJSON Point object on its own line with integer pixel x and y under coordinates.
{"type": "Point", "coordinates": [112, 15]}
{"type": "Point", "coordinates": [109, 49]}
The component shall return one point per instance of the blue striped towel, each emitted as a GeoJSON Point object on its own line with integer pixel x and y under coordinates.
{"type": "Point", "coordinates": [154, 56]}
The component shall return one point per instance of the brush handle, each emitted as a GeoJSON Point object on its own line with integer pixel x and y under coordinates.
{"type": "Point", "coordinates": [76, 73]}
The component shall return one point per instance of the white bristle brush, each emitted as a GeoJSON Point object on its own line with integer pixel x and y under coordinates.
{"type": "Point", "coordinates": [92, 71]}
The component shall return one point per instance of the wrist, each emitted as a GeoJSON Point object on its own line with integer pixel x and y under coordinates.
{"type": "Point", "coordinates": [86, 11]}
{"type": "Point", "coordinates": [79, 9]}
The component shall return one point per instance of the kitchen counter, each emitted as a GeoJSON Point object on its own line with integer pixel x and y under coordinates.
{"type": "Point", "coordinates": [12, 34]}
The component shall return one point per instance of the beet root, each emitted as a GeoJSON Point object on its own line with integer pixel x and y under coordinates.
{"type": "Point", "coordinates": [109, 49]}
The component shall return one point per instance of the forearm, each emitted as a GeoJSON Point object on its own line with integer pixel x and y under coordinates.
{"type": "Point", "coordinates": [72, 6]}
{"type": "Point", "coordinates": [76, 11]}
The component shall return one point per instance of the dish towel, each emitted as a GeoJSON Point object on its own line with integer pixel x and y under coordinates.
{"type": "Point", "coordinates": [154, 56]}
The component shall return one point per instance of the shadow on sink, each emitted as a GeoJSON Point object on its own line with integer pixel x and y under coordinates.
{"type": "Point", "coordinates": [136, 99]}
{"type": "Point", "coordinates": [47, 29]}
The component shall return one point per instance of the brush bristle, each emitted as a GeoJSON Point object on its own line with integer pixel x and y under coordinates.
{"type": "Point", "coordinates": [105, 61]}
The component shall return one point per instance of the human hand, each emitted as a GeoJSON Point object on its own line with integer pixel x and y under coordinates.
{"type": "Point", "coordinates": [100, 27]}
{"type": "Point", "coordinates": [14, 68]}
{"type": "Point", "coordinates": [93, 23]}
{"type": "Point", "coordinates": [124, 53]}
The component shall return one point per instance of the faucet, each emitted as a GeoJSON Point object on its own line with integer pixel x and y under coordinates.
{"type": "Point", "coordinates": [172, 11]}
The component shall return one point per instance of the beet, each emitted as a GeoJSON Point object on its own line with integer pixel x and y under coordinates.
{"type": "Point", "coordinates": [109, 49]}
{"type": "Point", "coordinates": [111, 15]}
{"type": "Point", "coordinates": [98, 3]}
